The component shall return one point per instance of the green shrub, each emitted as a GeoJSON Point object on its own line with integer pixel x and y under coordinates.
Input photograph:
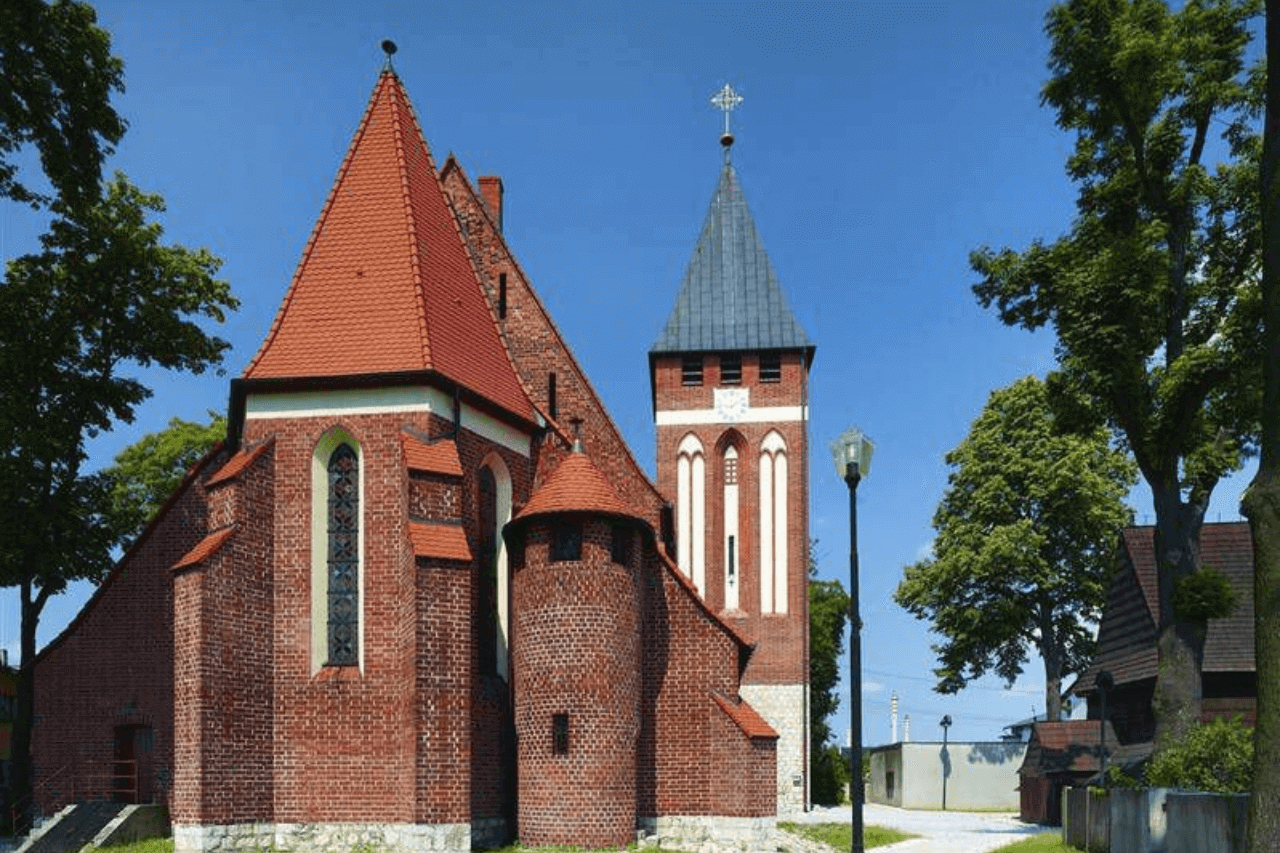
{"type": "Point", "coordinates": [1216, 756]}
{"type": "Point", "coordinates": [830, 775]}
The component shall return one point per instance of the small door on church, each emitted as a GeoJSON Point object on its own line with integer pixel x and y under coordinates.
{"type": "Point", "coordinates": [130, 780]}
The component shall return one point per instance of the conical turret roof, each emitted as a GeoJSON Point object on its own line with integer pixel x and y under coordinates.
{"type": "Point", "coordinates": [730, 298]}
{"type": "Point", "coordinates": [385, 285]}
{"type": "Point", "coordinates": [577, 485]}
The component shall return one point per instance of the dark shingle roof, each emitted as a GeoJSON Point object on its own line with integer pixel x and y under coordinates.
{"type": "Point", "coordinates": [1127, 634]}
{"type": "Point", "coordinates": [730, 298]}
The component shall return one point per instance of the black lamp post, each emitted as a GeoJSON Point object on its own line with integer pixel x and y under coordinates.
{"type": "Point", "coordinates": [852, 454]}
{"type": "Point", "coordinates": [1105, 682]}
{"type": "Point", "coordinates": [945, 722]}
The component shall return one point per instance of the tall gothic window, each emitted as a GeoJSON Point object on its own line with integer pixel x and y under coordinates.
{"type": "Point", "coordinates": [344, 556]}
{"type": "Point", "coordinates": [773, 524]}
{"type": "Point", "coordinates": [691, 507]}
{"type": "Point", "coordinates": [731, 539]}
{"type": "Point", "coordinates": [487, 613]}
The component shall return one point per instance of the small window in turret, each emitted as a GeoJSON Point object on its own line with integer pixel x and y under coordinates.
{"type": "Point", "coordinates": [560, 734]}
{"type": "Point", "coordinates": [621, 545]}
{"type": "Point", "coordinates": [770, 367]}
{"type": "Point", "coordinates": [566, 542]}
{"type": "Point", "coordinates": [691, 370]}
{"type": "Point", "coordinates": [730, 368]}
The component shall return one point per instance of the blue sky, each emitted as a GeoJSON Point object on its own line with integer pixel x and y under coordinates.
{"type": "Point", "coordinates": [878, 144]}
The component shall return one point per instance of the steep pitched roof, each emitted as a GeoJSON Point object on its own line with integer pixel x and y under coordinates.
{"type": "Point", "coordinates": [1127, 634]}
{"type": "Point", "coordinates": [730, 298]}
{"type": "Point", "coordinates": [385, 285]}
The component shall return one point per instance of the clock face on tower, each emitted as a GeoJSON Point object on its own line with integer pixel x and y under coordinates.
{"type": "Point", "coordinates": [731, 404]}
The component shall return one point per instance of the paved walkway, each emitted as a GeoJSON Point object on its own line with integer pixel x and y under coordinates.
{"type": "Point", "coordinates": [940, 832]}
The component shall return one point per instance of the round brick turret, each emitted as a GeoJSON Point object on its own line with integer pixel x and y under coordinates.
{"type": "Point", "coordinates": [576, 604]}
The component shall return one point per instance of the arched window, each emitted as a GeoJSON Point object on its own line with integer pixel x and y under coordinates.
{"type": "Point", "coordinates": [337, 552]}
{"type": "Point", "coordinates": [773, 524]}
{"type": "Point", "coordinates": [493, 613]}
{"type": "Point", "coordinates": [691, 507]}
{"type": "Point", "coordinates": [732, 545]}
{"type": "Point", "coordinates": [344, 556]}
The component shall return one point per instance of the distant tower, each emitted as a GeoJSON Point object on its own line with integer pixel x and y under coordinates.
{"type": "Point", "coordinates": [730, 376]}
{"type": "Point", "coordinates": [893, 718]}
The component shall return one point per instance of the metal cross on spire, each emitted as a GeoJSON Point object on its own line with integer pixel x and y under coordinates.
{"type": "Point", "coordinates": [726, 100]}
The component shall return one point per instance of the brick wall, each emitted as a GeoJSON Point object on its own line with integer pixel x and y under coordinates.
{"type": "Point", "coordinates": [782, 641]}
{"type": "Point", "coordinates": [113, 666]}
{"type": "Point", "coordinates": [223, 656]}
{"type": "Point", "coordinates": [577, 653]}
{"type": "Point", "coordinates": [538, 350]}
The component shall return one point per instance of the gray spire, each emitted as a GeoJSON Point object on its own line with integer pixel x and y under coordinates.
{"type": "Point", "coordinates": [730, 298]}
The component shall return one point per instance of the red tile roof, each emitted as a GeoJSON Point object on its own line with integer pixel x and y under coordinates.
{"type": "Point", "coordinates": [752, 724]}
{"type": "Point", "coordinates": [1127, 635]}
{"type": "Point", "coordinates": [1070, 746]}
{"type": "Point", "coordinates": [441, 541]}
{"type": "Point", "coordinates": [237, 464]}
{"type": "Point", "coordinates": [577, 486]}
{"type": "Point", "coordinates": [205, 548]}
{"type": "Point", "coordinates": [385, 284]}
{"type": "Point", "coordinates": [438, 457]}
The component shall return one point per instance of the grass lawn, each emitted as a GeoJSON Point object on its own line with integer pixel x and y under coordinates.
{"type": "Point", "coordinates": [1049, 842]}
{"type": "Point", "coordinates": [840, 835]}
{"type": "Point", "coordinates": [147, 845]}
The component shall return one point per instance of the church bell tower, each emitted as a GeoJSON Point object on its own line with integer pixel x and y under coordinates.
{"type": "Point", "coordinates": [730, 388]}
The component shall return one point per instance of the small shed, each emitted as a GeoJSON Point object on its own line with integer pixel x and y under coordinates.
{"type": "Point", "coordinates": [1059, 755]}
{"type": "Point", "coordinates": [979, 776]}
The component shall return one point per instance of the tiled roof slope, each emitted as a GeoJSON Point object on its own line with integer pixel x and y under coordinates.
{"type": "Point", "coordinates": [730, 298]}
{"type": "Point", "coordinates": [1070, 746]}
{"type": "Point", "coordinates": [577, 486]}
{"type": "Point", "coordinates": [385, 284]}
{"type": "Point", "coordinates": [1127, 635]}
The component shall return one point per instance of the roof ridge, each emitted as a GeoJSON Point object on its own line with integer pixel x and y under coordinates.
{"type": "Point", "coordinates": [411, 234]}
{"type": "Point", "coordinates": [332, 196]}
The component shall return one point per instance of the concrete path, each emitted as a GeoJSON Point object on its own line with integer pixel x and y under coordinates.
{"type": "Point", "coordinates": [940, 832]}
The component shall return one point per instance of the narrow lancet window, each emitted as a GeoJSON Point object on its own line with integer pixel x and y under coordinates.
{"type": "Point", "coordinates": [344, 556]}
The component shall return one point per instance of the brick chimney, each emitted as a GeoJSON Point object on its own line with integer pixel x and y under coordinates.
{"type": "Point", "coordinates": [491, 191]}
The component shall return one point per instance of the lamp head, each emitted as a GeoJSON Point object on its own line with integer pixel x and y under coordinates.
{"type": "Point", "coordinates": [852, 446]}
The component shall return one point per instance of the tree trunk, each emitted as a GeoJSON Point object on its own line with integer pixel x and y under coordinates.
{"type": "Point", "coordinates": [1262, 500]}
{"type": "Point", "coordinates": [20, 753]}
{"type": "Point", "coordinates": [1179, 690]}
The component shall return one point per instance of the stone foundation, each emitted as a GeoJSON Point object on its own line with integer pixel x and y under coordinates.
{"type": "Point", "coordinates": [691, 832]}
{"type": "Point", "coordinates": [783, 706]}
{"type": "Point", "coordinates": [322, 837]}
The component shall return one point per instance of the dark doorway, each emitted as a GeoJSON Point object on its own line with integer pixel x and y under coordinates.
{"type": "Point", "coordinates": [130, 780]}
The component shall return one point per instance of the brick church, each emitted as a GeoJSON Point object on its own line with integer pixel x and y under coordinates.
{"type": "Point", "coordinates": [423, 596]}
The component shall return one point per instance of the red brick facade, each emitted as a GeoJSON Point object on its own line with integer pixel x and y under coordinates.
{"type": "Point", "coordinates": [208, 631]}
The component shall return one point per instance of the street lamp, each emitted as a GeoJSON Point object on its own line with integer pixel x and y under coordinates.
{"type": "Point", "coordinates": [945, 722]}
{"type": "Point", "coordinates": [852, 455]}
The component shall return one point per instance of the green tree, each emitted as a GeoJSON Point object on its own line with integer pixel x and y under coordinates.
{"type": "Point", "coordinates": [1216, 756]}
{"type": "Point", "coordinates": [828, 616]}
{"type": "Point", "coordinates": [1153, 292]}
{"type": "Point", "coordinates": [1262, 500]}
{"type": "Point", "coordinates": [147, 472]}
{"type": "Point", "coordinates": [56, 79]}
{"type": "Point", "coordinates": [102, 299]}
{"type": "Point", "coordinates": [1025, 546]}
